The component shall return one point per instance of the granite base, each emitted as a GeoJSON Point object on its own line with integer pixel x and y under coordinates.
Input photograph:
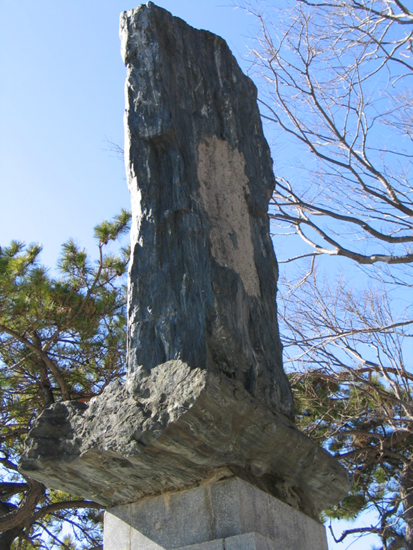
{"type": "Point", "coordinates": [227, 515]}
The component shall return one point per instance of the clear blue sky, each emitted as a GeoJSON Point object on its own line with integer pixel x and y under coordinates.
{"type": "Point", "coordinates": [61, 98]}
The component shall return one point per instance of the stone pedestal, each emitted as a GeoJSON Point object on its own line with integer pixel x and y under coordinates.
{"type": "Point", "coordinates": [227, 515]}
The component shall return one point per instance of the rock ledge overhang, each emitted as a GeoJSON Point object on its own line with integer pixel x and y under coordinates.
{"type": "Point", "coordinates": [172, 428]}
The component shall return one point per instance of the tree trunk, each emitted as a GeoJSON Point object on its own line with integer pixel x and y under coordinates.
{"type": "Point", "coordinates": [406, 492]}
{"type": "Point", "coordinates": [18, 517]}
{"type": "Point", "coordinates": [13, 523]}
{"type": "Point", "coordinates": [7, 537]}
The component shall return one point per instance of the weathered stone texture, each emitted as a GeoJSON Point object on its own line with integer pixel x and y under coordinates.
{"type": "Point", "coordinates": [175, 427]}
{"type": "Point", "coordinates": [203, 271]}
{"type": "Point", "coordinates": [205, 387]}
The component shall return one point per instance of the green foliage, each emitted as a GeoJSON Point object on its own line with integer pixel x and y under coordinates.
{"type": "Point", "coordinates": [359, 420]}
{"type": "Point", "coordinates": [349, 508]}
{"type": "Point", "coordinates": [62, 336]}
{"type": "Point", "coordinates": [110, 231]}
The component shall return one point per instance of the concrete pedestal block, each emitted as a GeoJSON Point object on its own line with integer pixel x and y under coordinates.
{"type": "Point", "coordinates": [227, 515]}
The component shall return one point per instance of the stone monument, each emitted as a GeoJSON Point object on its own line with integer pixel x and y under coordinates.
{"type": "Point", "coordinates": [198, 448]}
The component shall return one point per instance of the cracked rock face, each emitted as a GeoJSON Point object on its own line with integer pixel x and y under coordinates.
{"type": "Point", "coordinates": [176, 427]}
{"type": "Point", "coordinates": [206, 396]}
{"type": "Point", "coordinates": [203, 272]}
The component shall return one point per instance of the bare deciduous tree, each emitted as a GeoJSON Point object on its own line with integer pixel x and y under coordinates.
{"type": "Point", "coordinates": [338, 76]}
{"type": "Point", "coordinates": [335, 87]}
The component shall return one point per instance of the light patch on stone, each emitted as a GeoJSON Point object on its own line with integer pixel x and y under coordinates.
{"type": "Point", "coordinates": [221, 174]}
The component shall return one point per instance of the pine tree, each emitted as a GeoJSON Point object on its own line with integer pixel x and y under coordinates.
{"type": "Point", "coordinates": [62, 336]}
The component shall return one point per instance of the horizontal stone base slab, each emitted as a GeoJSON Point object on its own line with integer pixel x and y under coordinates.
{"type": "Point", "coordinates": [227, 515]}
{"type": "Point", "coordinates": [249, 541]}
{"type": "Point", "coordinates": [173, 428]}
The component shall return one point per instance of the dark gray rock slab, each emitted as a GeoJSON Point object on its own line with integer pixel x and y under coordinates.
{"type": "Point", "coordinates": [206, 397]}
{"type": "Point", "coordinates": [172, 428]}
{"type": "Point", "coordinates": [203, 272]}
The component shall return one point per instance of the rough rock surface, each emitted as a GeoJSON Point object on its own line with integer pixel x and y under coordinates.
{"type": "Point", "coordinates": [205, 385]}
{"type": "Point", "coordinates": [203, 271]}
{"type": "Point", "coordinates": [175, 427]}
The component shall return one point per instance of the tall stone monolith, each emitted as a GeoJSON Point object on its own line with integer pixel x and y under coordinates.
{"type": "Point", "coordinates": [203, 275]}
{"type": "Point", "coordinates": [197, 448]}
